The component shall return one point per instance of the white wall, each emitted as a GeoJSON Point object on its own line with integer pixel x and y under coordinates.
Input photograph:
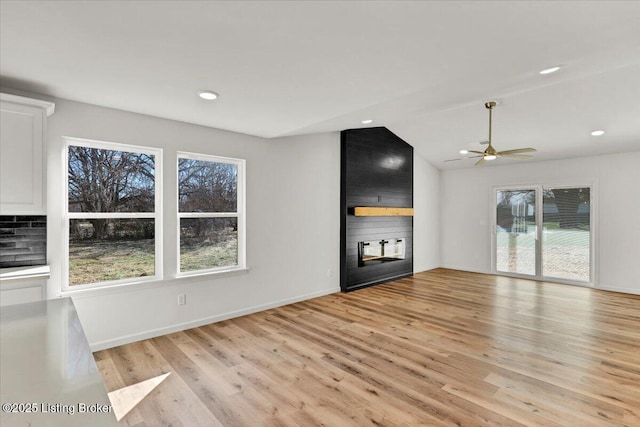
{"type": "Point", "coordinates": [466, 212]}
{"type": "Point", "coordinates": [292, 224]}
{"type": "Point", "coordinates": [426, 219]}
{"type": "Point", "coordinates": [293, 221]}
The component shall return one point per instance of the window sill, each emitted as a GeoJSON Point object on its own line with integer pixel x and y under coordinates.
{"type": "Point", "coordinates": [212, 273]}
{"type": "Point", "coordinates": [150, 284]}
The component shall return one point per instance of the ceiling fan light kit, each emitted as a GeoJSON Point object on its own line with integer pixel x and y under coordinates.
{"type": "Point", "coordinates": [490, 153]}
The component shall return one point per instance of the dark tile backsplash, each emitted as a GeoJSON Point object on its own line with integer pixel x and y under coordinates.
{"type": "Point", "coordinates": [23, 240]}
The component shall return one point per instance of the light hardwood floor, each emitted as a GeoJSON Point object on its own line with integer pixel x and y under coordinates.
{"type": "Point", "coordinates": [443, 347]}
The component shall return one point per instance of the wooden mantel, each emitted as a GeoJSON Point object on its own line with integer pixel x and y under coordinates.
{"type": "Point", "coordinates": [381, 211]}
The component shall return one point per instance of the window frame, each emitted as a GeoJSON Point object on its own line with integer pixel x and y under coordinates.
{"type": "Point", "coordinates": [592, 237]}
{"type": "Point", "coordinates": [240, 213]}
{"type": "Point", "coordinates": [156, 215]}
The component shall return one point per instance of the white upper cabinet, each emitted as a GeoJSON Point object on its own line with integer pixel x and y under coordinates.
{"type": "Point", "coordinates": [23, 126]}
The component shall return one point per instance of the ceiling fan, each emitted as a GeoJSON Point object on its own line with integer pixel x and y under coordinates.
{"type": "Point", "coordinates": [490, 153]}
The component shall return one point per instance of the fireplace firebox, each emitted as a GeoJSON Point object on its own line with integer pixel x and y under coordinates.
{"type": "Point", "coordinates": [380, 251]}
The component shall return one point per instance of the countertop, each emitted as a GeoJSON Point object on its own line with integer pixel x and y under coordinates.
{"type": "Point", "coordinates": [48, 376]}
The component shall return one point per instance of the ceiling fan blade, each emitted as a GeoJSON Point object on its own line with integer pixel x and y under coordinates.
{"type": "Point", "coordinates": [451, 160]}
{"type": "Point", "coordinates": [479, 162]}
{"type": "Point", "coordinates": [516, 156]}
{"type": "Point", "coordinates": [477, 152]}
{"type": "Point", "coordinates": [518, 150]}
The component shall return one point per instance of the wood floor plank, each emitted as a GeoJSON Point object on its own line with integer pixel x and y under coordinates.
{"type": "Point", "coordinates": [440, 348]}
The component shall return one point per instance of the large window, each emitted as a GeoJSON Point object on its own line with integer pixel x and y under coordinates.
{"type": "Point", "coordinates": [112, 213]}
{"type": "Point", "coordinates": [210, 213]}
{"type": "Point", "coordinates": [545, 232]}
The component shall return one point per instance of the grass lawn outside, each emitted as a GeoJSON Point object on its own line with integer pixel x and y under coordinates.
{"type": "Point", "coordinates": [197, 255]}
{"type": "Point", "coordinates": [101, 261]}
{"type": "Point", "coordinates": [566, 253]}
{"type": "Point", "coordinates": [107, 260]}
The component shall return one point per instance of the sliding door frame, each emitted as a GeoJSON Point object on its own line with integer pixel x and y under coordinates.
{"type": "Point", "coordinates": [539, 212]}
{"type": "Point", "coordinates": [494, 230]}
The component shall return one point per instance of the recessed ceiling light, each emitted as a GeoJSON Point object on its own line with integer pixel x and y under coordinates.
{"type": "Point", "coordinates": [490, 157]}
{"type": "Point", "coordinates": [366, 122]}
{"type": "Point", "coordinates": [464, 151]}
{"type": "Point", "coordinates": [208, 95]}
{"type": "Point", "coordinates": [550, 70]}
{"type": "Point", "coordinates": [597, 133]}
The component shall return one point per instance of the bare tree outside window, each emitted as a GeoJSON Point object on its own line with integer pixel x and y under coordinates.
{"type": "Point", "coordinates": [207, 186]}
{"type": "Point", "coordinates": [208, 213]}
{"type": "Point", "coordinates": [111, 208]}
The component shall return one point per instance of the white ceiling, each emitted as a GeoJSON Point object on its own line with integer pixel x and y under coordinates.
{"type": "Point", "coordinates": [422, 69]}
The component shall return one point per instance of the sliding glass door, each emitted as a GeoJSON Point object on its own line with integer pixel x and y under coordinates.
{"type": "Point", "coordinates": [516, 232]}
{"type": "Point", "coordinates": [566, 234]}
{"type": "Point", "coordinates": [544, 232]}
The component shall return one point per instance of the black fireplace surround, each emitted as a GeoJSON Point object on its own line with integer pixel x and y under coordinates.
{"type": "Point", "coordinates": [376, 171]}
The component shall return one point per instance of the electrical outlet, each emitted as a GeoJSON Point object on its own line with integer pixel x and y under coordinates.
{"type": "Point", "coordinates": [182, 299]}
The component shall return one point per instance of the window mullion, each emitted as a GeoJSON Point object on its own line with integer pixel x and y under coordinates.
{"type": "Point", "coordinates": [111, 215]}
{"type": "Point", "coordinates": [208, 214]}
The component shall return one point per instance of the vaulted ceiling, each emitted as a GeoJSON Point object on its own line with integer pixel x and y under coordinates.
{"type": "Point", "coordinates": [422, 69]}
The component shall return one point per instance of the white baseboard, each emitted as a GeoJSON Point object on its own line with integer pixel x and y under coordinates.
{"type": "Point", "coordinates": [102, 345]}
{"type": "Point", "coordinates": [601, 287]}
{"type": "Point", "coordinates": [424, 268]}
{"type": "Point", "coordinates": [616, 289]}
{"type": "Point", "coordinates": [470, 270]}
{"type": "Point", "coordinates": [114, 342]}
